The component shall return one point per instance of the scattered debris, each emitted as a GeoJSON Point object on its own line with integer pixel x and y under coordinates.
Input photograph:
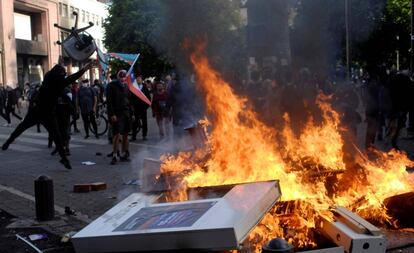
{"type": "Point", "coordinates": [35, 237]}
{"type": "Point", "coordinates": [133, 182]}
{"type": "Point", "coordinates": [88, 163]}
{"type": "Point", "coordinates": [97, 186]}
{"type": "Point", "coordinates": [66, 237]}
{"type": "Point", "coordinates": [82, 188]}
{"type": "Point", "coordinates": [29, 243]}
{"type": "Point", "coordinates": [69, 211]}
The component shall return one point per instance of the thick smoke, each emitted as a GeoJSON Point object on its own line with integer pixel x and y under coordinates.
{"type": "Point", "coordinates": [289, 49]}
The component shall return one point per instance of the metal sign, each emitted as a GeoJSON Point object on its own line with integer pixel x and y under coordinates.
{"type": "Point", "coordinates": [140, 223]}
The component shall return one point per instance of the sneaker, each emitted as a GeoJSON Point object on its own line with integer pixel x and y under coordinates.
{"type": "Point", "coordinates": [114, 160]}
{"type": "Point", "coordinates": [96, 136]}
{"type": "Point", "coordinates": [112, 154]}
{"type": "Point", "coordinates": [86, 137]}
{"type": "Point", "coordinates": [66, 163]}
{"type": "Point", "coordinates": [144, 138]}
{"type": "Point", "coordinates": [54, 152]}
{"type": "Point", "coordinates": [125, 157]}
{"type": "Point", "coordinates": [5, 146]}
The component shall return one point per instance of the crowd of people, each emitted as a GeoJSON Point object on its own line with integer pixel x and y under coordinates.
{"type": "Point", "coordinates": [61, 100]}
{"type": "Point", "coordinates": [378, 97]}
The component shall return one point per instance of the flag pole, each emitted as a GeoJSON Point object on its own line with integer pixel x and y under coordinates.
{"type": "Point", "coordinates": [132, 65]}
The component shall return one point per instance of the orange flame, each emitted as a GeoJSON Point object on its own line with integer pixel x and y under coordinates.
{"type": "Point", "coordinates": [242, 149]}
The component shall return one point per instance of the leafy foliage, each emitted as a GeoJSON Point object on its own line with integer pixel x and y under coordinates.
{"type": "Point", "coordinates": [157, 29]}
{"type": "Point", "coordinates": [129, 29]}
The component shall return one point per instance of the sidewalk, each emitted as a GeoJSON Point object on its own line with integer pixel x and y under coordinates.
{"type": "Point", "coordinates": [28, 157]}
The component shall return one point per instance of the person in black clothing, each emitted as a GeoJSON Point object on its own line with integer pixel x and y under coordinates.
{"type": "Point", "coordinates": [87, 103]}
{"type": "Point", "coordinates": [11, 103]}
{"type": "Point", "coordinates": [140, 111]}
{"type": "Point", "coordinates": [3, 103]}
{"type": "Point", "coordinates": [75, 115]}
{"type": "Point", "coordinates": [64, 110]}
{"type": "Point", "coordinates": [119, 114]}
{"type": "Point", "coordinates": [400, 91]}
{"type": "Point", "coordinates": [44, 108]}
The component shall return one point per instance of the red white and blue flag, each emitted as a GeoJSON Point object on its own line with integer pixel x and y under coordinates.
{"type": "Point", "coordinates": [133, 85]}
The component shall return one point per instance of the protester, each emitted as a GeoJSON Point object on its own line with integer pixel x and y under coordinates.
{"type": "Point", "coordinates": [372, 107]}
{"type": "Point", "coordinates": [11, 104]}
{"type": "Point", "coordinates": [31, 97]}
{"type": "Point", "coordinates": [99, 90]}
{"type": "Point", "coordinates": [119, 113]}
{"type": "Point", "coordinates": [3, 99]}
{"type": "Point", "coordinates": [87, 103]}
{"type": "Point", "coordinates": [43, 110]}
{"type": "Point", "coordinates": [75, 115]}
{"type": "Point", "coordinates": [64, 110]}
{"type": "Point", "coordinates": [160, 110]}
{"type": "Point", "coordinates": [400, 93]}
{"type": "Point", "coordinates": [140, 111]}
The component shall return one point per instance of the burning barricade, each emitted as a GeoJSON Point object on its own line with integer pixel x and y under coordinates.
{"type": "Point", "coordinates": [311, 167]}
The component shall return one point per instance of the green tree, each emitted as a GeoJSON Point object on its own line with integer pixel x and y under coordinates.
{"type": "Point", "coordinates": [158, 28]}
{"type": "Point", "coordinates": [318, 34]}
{"type": "Point", "coordinates": [129, 28]}
{"type": "Point", "coordinates": [392, 34]}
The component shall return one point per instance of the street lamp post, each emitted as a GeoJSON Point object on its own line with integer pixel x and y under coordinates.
{"type": "Point", "coordinates": [348, 57]}
{"type": "Point", "coordinates": [398, 53]}
{"type": "Point", "coordinates": [412, 38]}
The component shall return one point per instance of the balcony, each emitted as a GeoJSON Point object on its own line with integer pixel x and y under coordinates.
{"type": "Point", "coordinates": [31, 47]}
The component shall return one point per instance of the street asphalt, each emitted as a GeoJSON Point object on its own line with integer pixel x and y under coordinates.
{"type": "Point", "coordinates": [28, 157]}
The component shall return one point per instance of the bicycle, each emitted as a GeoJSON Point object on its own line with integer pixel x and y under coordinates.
{"type": "Point", "coordinates": [101, 121]}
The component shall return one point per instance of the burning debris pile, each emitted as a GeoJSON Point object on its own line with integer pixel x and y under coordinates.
{"type": "Point", "coordinates": [311, 165]}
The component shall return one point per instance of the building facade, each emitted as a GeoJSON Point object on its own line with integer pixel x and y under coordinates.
{"type": "Point", "coordinates": [88, 11]}
{"type": "Point", "coordinates": [28, 38]}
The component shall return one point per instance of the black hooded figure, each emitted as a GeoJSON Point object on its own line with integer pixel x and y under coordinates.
{"type": "Point", "coordinates": [43, 110]}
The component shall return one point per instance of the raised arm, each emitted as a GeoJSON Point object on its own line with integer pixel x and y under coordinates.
{"type": "Point", "coordinates": [72, 78]}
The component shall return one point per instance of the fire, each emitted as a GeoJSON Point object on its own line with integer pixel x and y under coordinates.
{"type": "Point", "coordinates": [240, 149]}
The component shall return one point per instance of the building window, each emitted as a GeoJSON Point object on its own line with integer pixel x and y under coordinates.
{"type": "Point", "coordinates": [93, 18]}
{"type": "Point", "coordinates": [64, 12]}
{"type": "Point", "coordinates": [87, 17]}
{"type": "Point", "coordinates": [72, 9]}
{"type": "Point", "coordinates": [24, 29]}
{"type": "Point", "coordinates": [83, 16]}
{"type": "Point", "coordinates": [77, 10]}
{"type": "Point", "coordinates": [97, 20]}
{"type": "Point", "coordinates": [102, 21]}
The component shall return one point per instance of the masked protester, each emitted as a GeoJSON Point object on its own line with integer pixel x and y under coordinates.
{"type": "Point", "coordinates": [160, 111]}
{"type": "Point", "coordinates": [43, 110]}
{"type": "Point", "coordinates": [120, 114]}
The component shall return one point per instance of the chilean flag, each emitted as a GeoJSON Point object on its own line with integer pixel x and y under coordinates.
{"type": "Point", "coordinates": [133, 85]}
